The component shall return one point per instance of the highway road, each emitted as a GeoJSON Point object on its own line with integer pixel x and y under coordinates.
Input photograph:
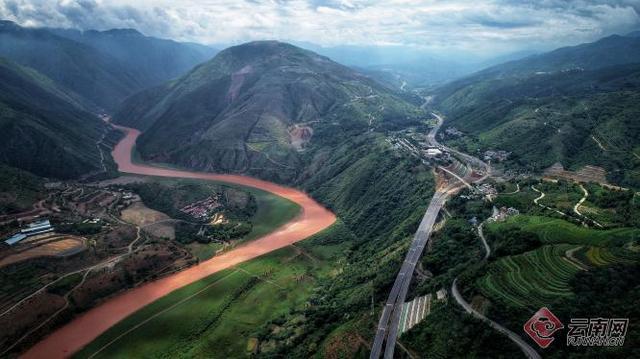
{"type": "Point", "coordinates": [465, 158]}
{"type": "Point", "coordinates": [387, 330]}
{"type": "Point", "coordinates": [393, 305]}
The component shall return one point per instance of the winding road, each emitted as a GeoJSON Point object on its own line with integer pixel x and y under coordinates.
{"type": "Point", "coordinates": [526, 348]}
{"type": "Point", "coordinates": [528, 351]}
{"type": "Point", "coordinates": [82, 330]}
{"type": "Point", "coordinates": [487, 249]}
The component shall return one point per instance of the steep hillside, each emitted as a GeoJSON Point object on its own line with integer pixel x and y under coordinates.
{"type": "Point", "coordinates": [152, 60]}
{"type": "Point", "coordinates": [18, 190]}
{"type": "Point", "coordinates": [576, 106]}
{"type": "Point", "coordinates": [97, 77]}
{"type": "Point", "coordinates": [101, 67]}
{"type": "Point", "coordinates": [262, 108]}
{"type": "Point", "coordinates": [42, 129]}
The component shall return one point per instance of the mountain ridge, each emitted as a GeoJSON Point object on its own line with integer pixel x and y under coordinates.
{"type": "Point", "coordinates": [240, 111]}
{"type": "Point", "coordinates": [43, 129]}
{"type": "Point", "coordinates": [103, 68]}
{"type": "Point", "coordinates": [562, 114]}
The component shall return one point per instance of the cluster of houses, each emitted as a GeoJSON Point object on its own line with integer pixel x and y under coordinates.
{"type": "Point", "coordinates": [202, 209]}
{"type": "Point", "coordinates": [453, 132]}
{"type": "Point", "coordinates": [503, 213]}
{"type": "Point", "coordinates": [498, 155]}
{"type": "Point", "coordinates": [32, 229]}
{"type": "Point", "coordinates": [487, 189]}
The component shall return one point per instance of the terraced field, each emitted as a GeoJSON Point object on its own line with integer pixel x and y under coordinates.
{"type": "Point", "coordinates": [606, 256]}
{"type": "Point", "coordinates": [532, 279]}
{"type": "Point", "coordinates": [553, 230]}
{"type": "Point", "coordinates": [17, 282]}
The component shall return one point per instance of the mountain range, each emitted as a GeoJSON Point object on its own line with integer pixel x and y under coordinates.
{"type": "Point", "coordinates": [55, 81]}
{"type": "Point", "coordinates": [575, 105]}
{"type": "Point", "coordinates": [103, 68]}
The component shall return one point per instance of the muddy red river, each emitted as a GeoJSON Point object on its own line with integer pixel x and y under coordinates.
{"type": "Point", "coordinates": [88, 326]}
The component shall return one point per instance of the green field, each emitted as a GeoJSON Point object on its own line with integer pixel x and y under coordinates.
{"type": "Point", "coordinates": [271, 212]}
{"type": "Point", "coordinates": [532, 279]}
{"type": "Point", "coordinates": [522, 200]}
{"type": "Point", "coordinates": [553, 230]}
{"type": "Point", "coordinates": [542, 275]}
{"type": "Point", "coordinates": [220, 316]}
{"type": "Point", "coordinates": [561, 195]}
{"type": "Point", "coordinates": [599, 256]}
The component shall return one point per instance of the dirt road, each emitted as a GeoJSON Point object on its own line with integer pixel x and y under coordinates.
{"type": "Point", "coordinates": [82, 330]}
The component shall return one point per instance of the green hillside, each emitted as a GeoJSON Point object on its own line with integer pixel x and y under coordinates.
{"type": "Point", "coordinates": [102, 68]}
{"type": "Point", "coordinates": [42, 129]}
{"type": "Point", "coordinates": [576, 106]}
{"type": "Point", "coordinates": [260, 108]}
{"type": "Point", "coordinates": [18, 190]}
{"type": "Point", "coordinates": [152, 60]}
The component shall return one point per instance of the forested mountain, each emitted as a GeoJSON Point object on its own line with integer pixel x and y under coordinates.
{"type": "Point", "coordinates": [153, 60]}
{"type": "Point", "coordinates": [576, 105]}
{"type": "Point", "coordinates": [102, 67]}
{"type": "Point", "coordinates": [43, 129]}
{"type": "Point", "coordinates": [262, 108]}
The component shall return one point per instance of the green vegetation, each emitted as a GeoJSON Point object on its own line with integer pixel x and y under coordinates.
{"type": "Point", "coordinates": [327, 102]}
{"type": "Point", "coordinates": [562, 195]}
{"type": "Point", "coordinates": [563, 106]}
{"type": "Point", "coordinates": [102, 68]}
{"type": "Point", "coordinates": [612, 208]}
{"type": "Point", "coordinates": [249, 212]}
{"type": "Point", "coordinates": [598, 256]}
{"type": "Point", "coordinates": [611, 292]}
{"type": "Point", "coordinates": [65, 284]}
{"type": "Point", "coordinates": [472, 338]}
{"type": "Point", "coordinates": [170, 196]}
{"type": "Point", "coordinates": [18, 281]}
{"type": "Point", "coordinates": [271, 212]}
{"type": "Point", "coordinates": [219, 315]}
{"type": "Point", "coordinates": [552, 230]}
{"type": "Point", "coordinates": [43, 129]}
{"type": "Point", "coordinates": [531, 280]}
{"type": "Point", "coordinates": [381, 196]}
{"type": "Point", "coordinates": [19, 190]}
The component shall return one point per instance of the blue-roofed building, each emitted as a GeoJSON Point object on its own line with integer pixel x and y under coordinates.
{"type": "Point", "coordinates": [39, 227]}
{"type": "Point", "coordinates": [15, 239]}
{"type": "Point", "coordinates": [32, 229]}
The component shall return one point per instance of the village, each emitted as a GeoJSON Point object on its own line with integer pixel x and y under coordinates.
{"type": "Point", "coordinates": [90, 238]}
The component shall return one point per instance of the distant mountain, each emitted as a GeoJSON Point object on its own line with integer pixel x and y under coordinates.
{"type": "Point", "coordinates": [634, 33]}
{"type": "Point", "coordinates": [400, 67]}
{"type": "Point", "coordinates": [425, 73]}
{"type": "Point", "coordinates": [102, 67]}
{"type": "Point", "coordinates": [153, 60]}
{"type": "Point", "coordinates": [608, 51]}
{"type": "Point", "coordinates": [258, 108]}
{"type": "Point", "coordinates": [576, 105]}
{"type": "Point", "coordinates": [43, 129]}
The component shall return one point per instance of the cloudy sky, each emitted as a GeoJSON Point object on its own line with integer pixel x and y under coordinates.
{"type": "Point", "coordinates": [478, 26]}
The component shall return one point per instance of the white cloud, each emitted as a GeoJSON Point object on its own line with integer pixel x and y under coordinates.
{"type": "Point", "coordinates": [485, 26]}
